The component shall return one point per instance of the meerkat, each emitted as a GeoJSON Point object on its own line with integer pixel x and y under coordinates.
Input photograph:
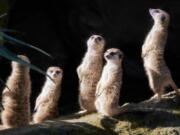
{"type": "Point", "coordinates": [46, 106]}
{"type": "Point", "coordinates": [109, 85]}
{"type": "Point", "coordinates": [16, 98]}
{"type": "Point", "coordinates": [89, 72]}
{"type": "Point", "coordinates": [155, 66]}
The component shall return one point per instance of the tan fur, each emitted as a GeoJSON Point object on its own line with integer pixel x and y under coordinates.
{"type": "Point", "coordinates": [16, 101]}
{"type": "Point", "coordinates": [89, 72]}
{"type": "Point", "coordinates": [46, 106]}
{"type": "Point", "coordinates": [153, 54]}
{"type": "Point", "coordinates": [108, 87]}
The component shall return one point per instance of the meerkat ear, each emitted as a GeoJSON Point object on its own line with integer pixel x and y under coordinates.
{"type": "Point", "coordinates": [163, 18]}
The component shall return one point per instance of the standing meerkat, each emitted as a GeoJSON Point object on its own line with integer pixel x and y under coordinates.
{"type": "Point", "coordinates": [46, 106]}
{"type": "Point", "coordinates": [155, 66]}
{"type": "Point", "coordinates": [16, 99]}
{"type": "Point", "coordinates": [89, 73]}
{"type": "Point", "coordinates": [108, 87]}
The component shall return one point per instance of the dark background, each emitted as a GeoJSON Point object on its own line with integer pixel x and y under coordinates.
{"type": "Point", "coordinates": [61, 27]}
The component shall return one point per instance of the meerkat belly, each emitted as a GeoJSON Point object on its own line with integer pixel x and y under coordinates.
{"type": "Point", "coordinates": [152, 61]}
{"type": "Point", "coordinates": [89, 82]}
{"type": "Point", "coordinates": [109, 95]}
{"type": "Point", "coordinates": [87, 92]}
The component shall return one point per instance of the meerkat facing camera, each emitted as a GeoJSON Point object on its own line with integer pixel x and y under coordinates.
{"type": "Point", "coordinates": [16, 98]}
{"type": "Point", "coordinates": [46, 106]}
{"type": "Point", "coordinates": [108, 87]}
{"type": "Point", "coordinates": [89, 73]}
{"type": "Point", "coordinates": [155, 66]}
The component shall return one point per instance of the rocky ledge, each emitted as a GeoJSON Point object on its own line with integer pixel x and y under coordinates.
{"type": "Point", "coordinates": [149, 117]}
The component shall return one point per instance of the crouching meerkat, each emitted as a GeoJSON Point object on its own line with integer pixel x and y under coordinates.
{"type": "Point", "coordinates": [89, 73]}
{"type": "Point", "coordinates": [16, 99]}
{"type": "Point", "coordinates": [155, 66]}
{"type": "Point", "coordinates": [109, 85]}
{"type": "Point", "coordinates": [46, 106]}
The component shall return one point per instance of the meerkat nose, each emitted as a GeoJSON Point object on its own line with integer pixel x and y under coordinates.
{"type": "Point", "coordinates": [108, 56]}
{"type": "Point", "coordinates": [99, 38]}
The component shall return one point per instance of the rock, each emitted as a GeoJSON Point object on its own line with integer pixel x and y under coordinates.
{"type": "Point", "coordinates": [134, 122]}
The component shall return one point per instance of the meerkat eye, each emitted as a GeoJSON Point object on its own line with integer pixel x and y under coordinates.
{"type": "Point", "coordinates": [112, 53]}
{"type": "Point", "coordinates": [156, 11]}
{"type": "Point", "coordinates": [120, 55]}
{"type": "Point", "coordinates": [92, 37]}
{"type": "Point", "coordinates": [50, 71]}
{"type": "Point", "coordinates": [99, 38]}
{"type": "Point", "coordinates": [58, 72]}
{"type": "Point", "coordinates": [163, 18]}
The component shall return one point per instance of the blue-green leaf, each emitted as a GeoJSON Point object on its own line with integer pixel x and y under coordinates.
{"type": "Point", "coordinates": [8, 30]}
{"type": "Point", "coordinates": [4, 52]}
{"type": "Point", "coordinates": [19, 42]}
{"type": "Point", "coordinates": [3, 15]}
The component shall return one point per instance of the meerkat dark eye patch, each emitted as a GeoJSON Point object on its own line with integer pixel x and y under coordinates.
{"type": "Point", "coordinates": [120, 55]}
{"type": "Point", "coordinates": [112, 53]}
{"type": "Point", "coordinates": [92, 37]}
{"type": "Point", "coordinates": [163, 18]}
{"type": "Point", "coordinates": [50, 71]}
{"type": "Point", "coordinates": [58, 72]}
{"type": "Point", "coordinates": [109, 56]}
{"type": "Point", "coordinates": [156, 11]}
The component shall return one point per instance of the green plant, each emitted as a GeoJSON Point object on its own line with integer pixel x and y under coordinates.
{"type": "Point", "coordinates": [4, 52]}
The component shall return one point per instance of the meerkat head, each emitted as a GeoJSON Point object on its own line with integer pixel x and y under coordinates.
{"type": "Point", "coordinates": [96, 43]}
{"type": "Point", "coordinates": [55, 73]}
{"type": "Point", "coordinates": [159, 16]}
{"type": "Point", "coordinates": [114, 55]}
{"type": "Point", "coordinates": [19, 66]}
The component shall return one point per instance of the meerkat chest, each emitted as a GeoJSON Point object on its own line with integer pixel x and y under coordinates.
{"type": "Point", "coordinates": [48, 90]}
{"type": "Point", "coordinates": [154, 61]}
{"type": "Point", "coordinates": [91, 63]}
{"type": "Point", "coordinates": [110, 74]}
{"type": "Point", "coordinates": [91, 68]}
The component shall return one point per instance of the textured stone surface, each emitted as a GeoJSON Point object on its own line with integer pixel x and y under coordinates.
{"type": "Point", "coordinates": [143, 122]}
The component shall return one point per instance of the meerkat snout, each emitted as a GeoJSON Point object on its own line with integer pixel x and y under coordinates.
{"type": "Point", "coordinates": [97, 38]}
{"type": "Point", "coordinates": [113, 54]}
{"type": "Point", "coordinates": [152, 11]}
{"type": "Point", "coordinates": [159, 16]}
{"type": "Point", "coordinates": [96, 42]}
{"type": "Point", "coordinates": [55, 73]}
